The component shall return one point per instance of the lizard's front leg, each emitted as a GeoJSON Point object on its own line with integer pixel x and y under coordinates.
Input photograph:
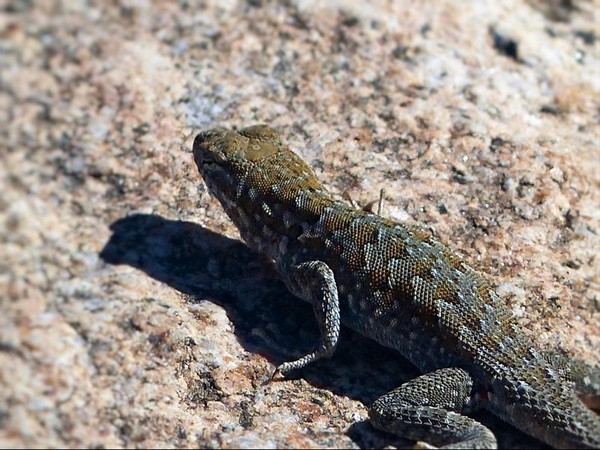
{"type": "Point", "coordinates": [428, 408]}
{"type": "Point", "coordinates": [315, 282]}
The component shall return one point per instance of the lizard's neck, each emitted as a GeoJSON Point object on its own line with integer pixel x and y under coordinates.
{"type": "Point", "coordinates": [274, 200]}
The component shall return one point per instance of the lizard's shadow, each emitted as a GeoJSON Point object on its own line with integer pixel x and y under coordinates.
{"type": "Point", "coordinates": [202, 264]}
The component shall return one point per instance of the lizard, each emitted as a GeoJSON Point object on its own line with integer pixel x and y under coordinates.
{"type": "Point", "coordinates": [397, 284]}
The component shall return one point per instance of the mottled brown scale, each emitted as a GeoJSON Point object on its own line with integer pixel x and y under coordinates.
{"type": "Point", "coordinates": [399, 286]}
{"type": "Point", "coordinates": [446, 291]}
{"type": "Point", "coordinates": [340, 222]}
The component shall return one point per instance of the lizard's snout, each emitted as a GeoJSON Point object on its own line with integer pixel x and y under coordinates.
{"type": "Point", "coordinates": [208, 135]}
{"type": "Point", "coordinates": [199, 149]}
{"type": "Point", "coordinates": [202, 146]}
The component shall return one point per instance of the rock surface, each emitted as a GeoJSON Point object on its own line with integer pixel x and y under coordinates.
{"type": "Point", "coordinates": [130, 314]}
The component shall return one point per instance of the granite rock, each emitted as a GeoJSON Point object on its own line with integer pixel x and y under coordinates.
{"type": "Point", "coordinates": [130, 313]}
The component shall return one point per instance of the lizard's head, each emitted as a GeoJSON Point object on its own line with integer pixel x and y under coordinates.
{"type": "Point", "coordinates": [255, 177]}
{"type": "Point", "coordinates": [221, 146]}
{"type": "Point", "coordinates": [225, 158]}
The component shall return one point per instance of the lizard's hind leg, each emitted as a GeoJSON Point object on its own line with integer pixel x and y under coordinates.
{"type": "Point", "coordinates": [430, 408]}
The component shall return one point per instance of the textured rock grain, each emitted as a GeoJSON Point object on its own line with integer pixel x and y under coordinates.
{"type": "Point", "coordinates": [130, 315]}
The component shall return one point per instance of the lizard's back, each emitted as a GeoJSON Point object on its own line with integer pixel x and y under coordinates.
{"type": "Point", "coordinates": [401, 287]}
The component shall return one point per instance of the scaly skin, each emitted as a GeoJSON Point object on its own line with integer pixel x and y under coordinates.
{"type": "Point", "coordinates": [398, 285]}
